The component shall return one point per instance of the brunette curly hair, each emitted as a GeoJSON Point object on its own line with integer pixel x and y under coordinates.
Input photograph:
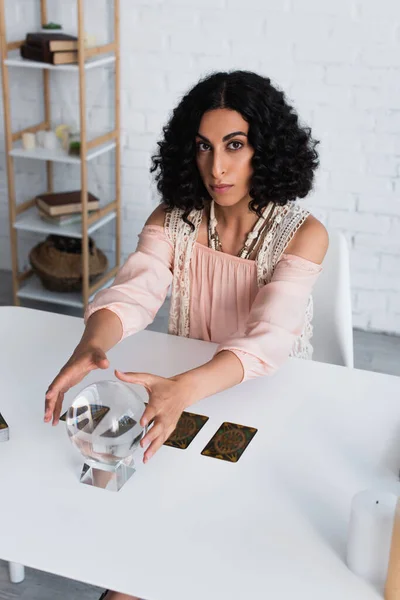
{"type": "Point", "coordinates": [284, 157]}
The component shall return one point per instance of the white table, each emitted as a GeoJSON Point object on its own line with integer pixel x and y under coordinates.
{"type": "Point", "coordinates": [187, 526]}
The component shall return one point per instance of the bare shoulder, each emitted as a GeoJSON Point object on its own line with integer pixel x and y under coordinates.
{"type": "Point", "coordinates": [311, 241]}
{"type": "Point", "coordinates": [157, 217]}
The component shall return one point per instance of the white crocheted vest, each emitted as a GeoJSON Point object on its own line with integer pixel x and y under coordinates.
{"type": "Point", "coordinates": [285, 221]}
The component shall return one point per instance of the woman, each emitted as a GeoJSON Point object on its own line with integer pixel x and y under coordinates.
{"type": "Point", "coordinates": [241, 255]}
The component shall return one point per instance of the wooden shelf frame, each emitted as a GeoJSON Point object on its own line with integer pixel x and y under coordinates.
{"type": "Point", "coordinates": [108, 141]}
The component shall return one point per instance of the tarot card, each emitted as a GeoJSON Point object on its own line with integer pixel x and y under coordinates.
{"type": "Point", "coordinates": [229, 442]}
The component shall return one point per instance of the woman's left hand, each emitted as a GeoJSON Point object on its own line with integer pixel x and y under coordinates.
{"type": "Point", "coordinates": [167, 401]}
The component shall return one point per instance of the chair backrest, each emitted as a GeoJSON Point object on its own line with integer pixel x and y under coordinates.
{"type": "Point", "coordinates": [333, 323]}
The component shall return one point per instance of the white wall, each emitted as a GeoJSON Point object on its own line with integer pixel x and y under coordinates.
{"type": "Point", "coordinates": [338, 62]}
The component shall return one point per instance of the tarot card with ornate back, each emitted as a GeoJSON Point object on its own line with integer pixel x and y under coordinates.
{"type": "Point", "coordinates": [229, 442]}
{"type": "Point", "coordinates": [186, 430]}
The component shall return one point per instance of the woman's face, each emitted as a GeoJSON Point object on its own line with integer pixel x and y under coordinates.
{"type": "Point", "coordinates": [223, 155]}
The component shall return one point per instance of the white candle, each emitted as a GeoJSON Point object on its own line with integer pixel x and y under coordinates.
{"type": "Point", "coordinates": [40, 138]}
{"type": "Point", "coordinates": [370, 534]}
{"type": "Point", "coordinates": [28, 140]}
{"type": "Point", "coordinates": [50, 141]}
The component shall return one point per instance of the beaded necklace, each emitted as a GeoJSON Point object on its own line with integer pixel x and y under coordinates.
{"type": "Point", "coordinates": [252, 237]}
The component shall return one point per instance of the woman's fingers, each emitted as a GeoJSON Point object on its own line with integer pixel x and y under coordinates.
{"type": "Point", "coordinates": [147, 380]}
{"type": "Point", "coordinates": [53, 407]}
{"type": "Point", "coordinates": [57, 387]}
{"type": "Point", "coordinates": [60, 383]}
{"type": "Point", "coordinates": [49, 406]}
{"type": "Point", "coordinates": [154, 446]}
{"type": "Point", "coordinates": [70, 375]}
{"type": "Point", "coordinates": [157, 435]}
{"type": "Point", "coordinates": [148, 415]}
{"type": "Point", "coordinates": [52, 389]}
{"type": "Point", "coordinates": [151, 435]}
{"type": "Point", "coordinates": [57, 408]}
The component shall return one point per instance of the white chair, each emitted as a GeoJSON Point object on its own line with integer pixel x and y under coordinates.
{"type": "Point", "coordinates": [333, 327]}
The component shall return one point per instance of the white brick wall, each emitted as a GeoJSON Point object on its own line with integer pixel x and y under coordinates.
{"type": "Point", "coordinates": [338, 62]}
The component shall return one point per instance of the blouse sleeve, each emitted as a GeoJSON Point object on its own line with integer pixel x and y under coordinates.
{"type": "Point", "coordinates": [141, 284]}
{"type": "Point", "coordinates": [276, 317]}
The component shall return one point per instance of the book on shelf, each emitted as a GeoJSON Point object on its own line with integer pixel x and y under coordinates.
{"type": "Point", "coordinates": [60, 220]}
{"type": "Point", "coordinates": [43, 54]}
{"type": "Point", "coordinates": [54, 42]}
{"type": "Point", "coordinates": [65, 203]}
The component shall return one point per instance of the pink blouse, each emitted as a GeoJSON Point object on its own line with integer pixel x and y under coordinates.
{"type": "Point", "coordinates": [259, 325]}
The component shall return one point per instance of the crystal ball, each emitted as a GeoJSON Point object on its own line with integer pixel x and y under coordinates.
{"type": "Point", "coordinates": [103, 422]}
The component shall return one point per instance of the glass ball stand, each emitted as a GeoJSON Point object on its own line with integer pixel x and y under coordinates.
{"type": "Point", "coordinates": [103, 423]}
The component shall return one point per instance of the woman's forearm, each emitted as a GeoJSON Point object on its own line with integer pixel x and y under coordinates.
{"type": "Point", "coordinates": [103, 330]}
{"type": "Point", "coordinates": [223, 371]}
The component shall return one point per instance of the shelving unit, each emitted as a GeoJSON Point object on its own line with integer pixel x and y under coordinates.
{"type": "Point", "coordinates": [91, 63]}
{"type": "Point", "coordinates": [58, 155]}
{"type": "Point", "coordinates": [23, 217]}
{"type": "Point", "coordinates": [29, 220]}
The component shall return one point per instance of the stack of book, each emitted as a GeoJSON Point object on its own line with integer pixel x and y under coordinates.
{"type": "Point", "coordinates": [64, 208]}
{"type": "Point", "coordinates": [53, 48]}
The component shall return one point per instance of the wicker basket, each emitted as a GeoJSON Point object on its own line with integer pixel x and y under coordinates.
{"type": "Point", "coordinates": [58, 263]}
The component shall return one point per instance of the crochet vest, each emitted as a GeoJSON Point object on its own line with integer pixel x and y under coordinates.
{"type": "Point", "coordinates": [284, 223]}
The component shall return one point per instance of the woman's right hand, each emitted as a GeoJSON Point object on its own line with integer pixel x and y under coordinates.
{"type": "Point", "coordinates": [82, 361]}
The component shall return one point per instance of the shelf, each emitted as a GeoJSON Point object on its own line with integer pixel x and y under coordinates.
{"type": "Point", "coordinates": [103, 58]}
{"type": "Point", "coordinates": [91, 63]}
{"type": "Point", "coordinates": [32, 289]}
{"type": "Point", "coordinates": [31, 221]}
{"type": "Point", "coordinates": [59, 155]}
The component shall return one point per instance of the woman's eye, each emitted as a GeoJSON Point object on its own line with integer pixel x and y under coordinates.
{"type": "Point", "coordinates": [235, 145]}
{"type": "Point", "coordinates": [203, 147]}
